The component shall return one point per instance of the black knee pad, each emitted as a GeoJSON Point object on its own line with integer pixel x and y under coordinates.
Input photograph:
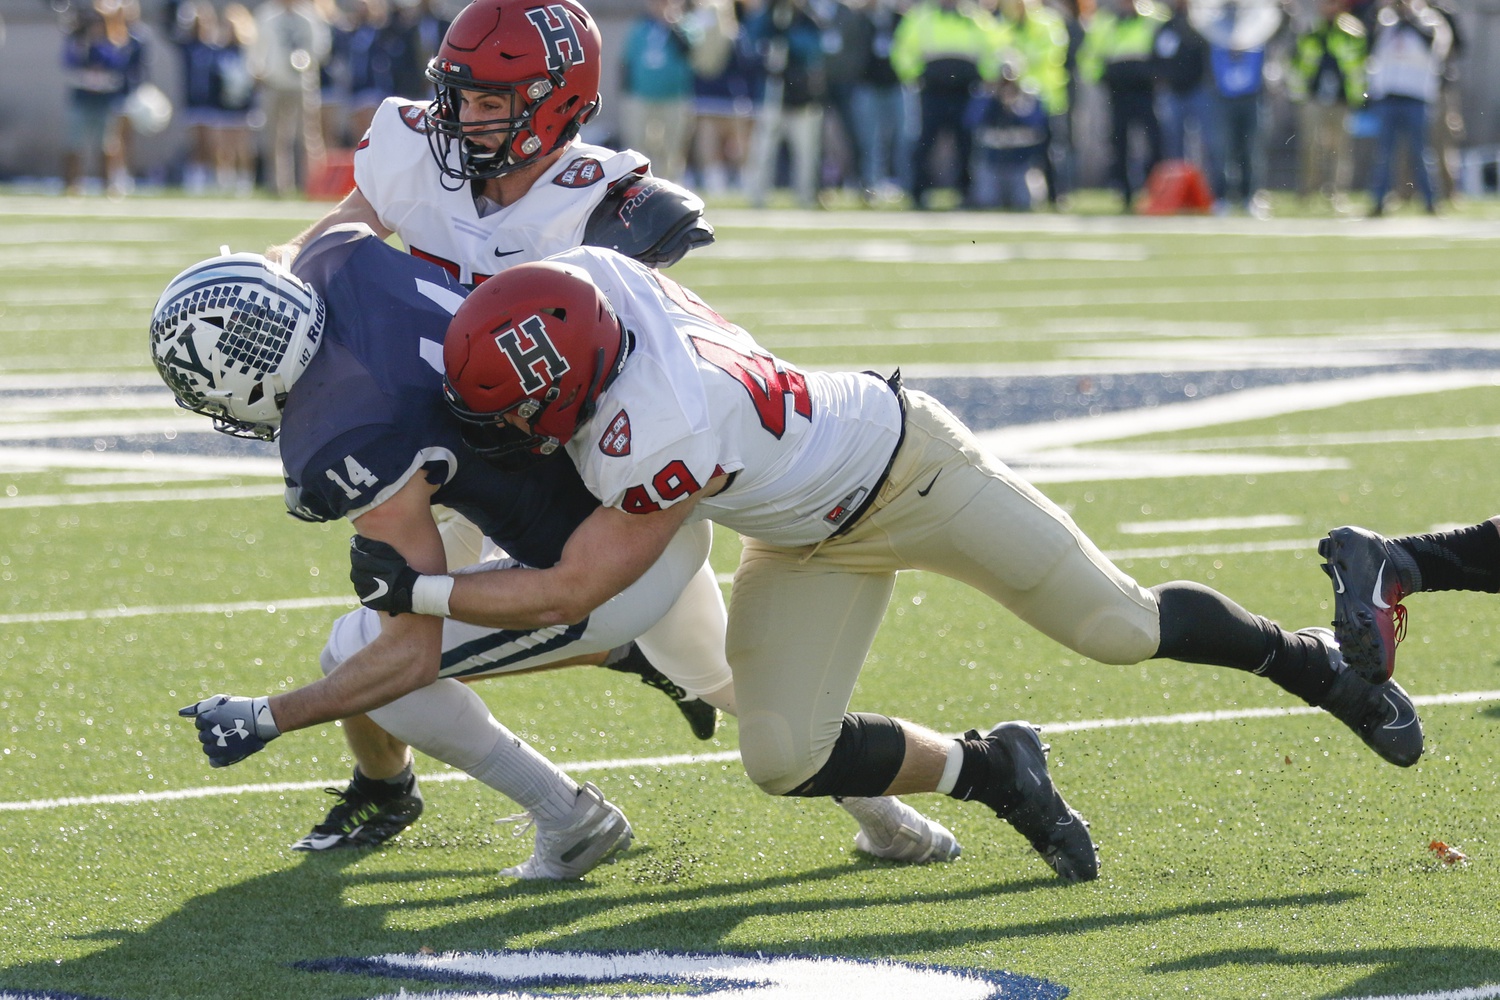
{"type": "Point", "coordinates": [865, 759]}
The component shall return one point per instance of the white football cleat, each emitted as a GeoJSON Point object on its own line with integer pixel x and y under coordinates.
{"type": "Point", "coordinates": [893, 830]}
{"type": "Point", "coordinates": [594, 832]}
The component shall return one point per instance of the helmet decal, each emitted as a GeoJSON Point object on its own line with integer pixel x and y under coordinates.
{"type": "Point", "coordinates": [560, 38]}
{"type": "Point", "coordinates": [541, 364]}
{"type": "Point", "coordinates": [178, 371]}
{"type": "Point", "coordinates": [538, 341]}
{"type": "Point", "coordinates": [230, 335]}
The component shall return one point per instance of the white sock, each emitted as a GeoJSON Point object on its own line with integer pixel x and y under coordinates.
{"type": "Point", "coordinates": [868, 811]}
{"type": "Point", "coordinates": [448, 721]}
{"type": "Point", "coordinates": [531, 779]}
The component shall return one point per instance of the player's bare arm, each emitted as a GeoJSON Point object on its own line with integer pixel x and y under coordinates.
{"type": "Point", "coordinates": [608, 552]}
{"type": "Point", "coordinates": [354, 208]}
{"type": "Point", "coordinates": [407, 654]}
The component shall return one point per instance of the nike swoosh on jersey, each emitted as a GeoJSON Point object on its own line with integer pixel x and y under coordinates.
{"type": "Point", "coordinates": [505, 253]}
{"type": "Point", "coordinates": [1379, 578]}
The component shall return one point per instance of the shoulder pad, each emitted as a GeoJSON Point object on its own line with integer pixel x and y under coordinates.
{"type": "Point", "coordinates": [305, 506]}
{"type": "Point", "coordinates": [648, 218]}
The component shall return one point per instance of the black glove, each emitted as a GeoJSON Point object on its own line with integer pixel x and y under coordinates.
{"type": "Point", "coordinates": [380, 575]}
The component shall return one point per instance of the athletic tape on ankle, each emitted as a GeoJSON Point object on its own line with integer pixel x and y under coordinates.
{"type": "Point", "coordinates": [951, 768]}
{"type": "Point", "coordinates": [429, 595]}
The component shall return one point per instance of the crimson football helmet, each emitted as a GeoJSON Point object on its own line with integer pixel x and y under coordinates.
{"type": "Point", "coordinates": [543, 54]}
{"type": "Point", "coordinates": [538, 340]}
{"type": "Point", "coordinates": [231, 335]}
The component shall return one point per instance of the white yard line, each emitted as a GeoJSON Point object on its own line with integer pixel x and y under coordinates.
{"type": "Point", "coordinates": [146, 496]}
{"type": "Point", "coordinates": [689, 760]}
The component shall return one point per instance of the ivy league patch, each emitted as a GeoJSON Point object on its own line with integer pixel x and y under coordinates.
{"type": "Point", "coordinates": [581, 173]}
{"type": "Point", "coordinates": [615, 441]}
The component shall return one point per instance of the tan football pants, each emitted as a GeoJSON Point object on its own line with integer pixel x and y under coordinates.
{"type": "Point", "coordinates": [802, 620]}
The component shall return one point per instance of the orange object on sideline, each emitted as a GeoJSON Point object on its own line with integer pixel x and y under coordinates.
{"type": "Point", "coordinates": [332, 177]}
{"type": "Point", "coordinates": [1176, 187]}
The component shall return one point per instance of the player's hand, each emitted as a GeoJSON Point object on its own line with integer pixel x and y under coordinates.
{"type": "Point", "coordinates": [232, 728]}
{"type": "Point", "coordinates": [380, 575]}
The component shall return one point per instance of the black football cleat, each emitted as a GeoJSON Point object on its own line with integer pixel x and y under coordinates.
{"type": "Point", "coordinates": [1055, 831]}
{"type": "Point", "coordinates": [1370, 577]}
{"type": "Point", "coordinates": [702, 718]}
{"type": "Point", "coordinates": [363, 817]}
{"type": "Point", "coordinates": [1380, 714]}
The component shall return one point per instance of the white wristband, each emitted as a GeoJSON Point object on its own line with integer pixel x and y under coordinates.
{"type": "Point", "coordinates": [429, 595]}
{"type": "Point", "coordinates": [265, 722]}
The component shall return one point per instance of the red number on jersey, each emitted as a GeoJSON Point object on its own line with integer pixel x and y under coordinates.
{"type": "Point", "coordinates": [672, 483]}
{"type": "Point", "coordinates": [763, 378]}
{"type": "Point", "coordinates": [638, 501]}
{"type": "Point", "coordinates": [675, 481]}
{"type": "Point", "coordinates": [749, 365]}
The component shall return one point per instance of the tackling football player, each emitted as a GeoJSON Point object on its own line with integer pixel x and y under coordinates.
{"type": "Point", "coordinates": [837, 481]}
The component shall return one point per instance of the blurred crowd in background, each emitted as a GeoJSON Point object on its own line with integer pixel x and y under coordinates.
{"type": "Point", "coordinates": [927, 104]}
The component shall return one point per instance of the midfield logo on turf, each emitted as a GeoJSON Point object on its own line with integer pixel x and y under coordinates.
{"type": "Point", "coordinates": [476, 975]}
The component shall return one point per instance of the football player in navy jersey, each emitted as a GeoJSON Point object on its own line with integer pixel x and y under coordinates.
{"type": "Point", "coordinates": [365, 435]}
{"type": "Point", "coordinates": [342, 357]}
{"type": "Point", "coordinates": [490, 174]}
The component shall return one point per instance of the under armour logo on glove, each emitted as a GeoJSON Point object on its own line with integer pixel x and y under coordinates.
{"type": "Point", "coordinates": [232, 728]}
{"type": "Point", "coordinates": [239, 731]}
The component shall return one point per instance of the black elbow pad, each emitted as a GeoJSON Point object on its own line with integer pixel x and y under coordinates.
{"type": "Point", "coordinates": [652, 220]}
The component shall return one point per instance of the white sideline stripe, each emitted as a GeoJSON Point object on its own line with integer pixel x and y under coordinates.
{"type": "Point", "coordinates": [1196, 524]}
{"type": "Point", "coordinates": [141, 496]}
{"type": "Point", "coordinates": [1233, 407]}
{"type": "Point", "coordinates": [74, 458]}
{"type": "Point", "coordinates": [269, 607]}
{"type": "Point", "coordinates": [679, 760]}
{"type": "Point", "coordinates": [297, 603]}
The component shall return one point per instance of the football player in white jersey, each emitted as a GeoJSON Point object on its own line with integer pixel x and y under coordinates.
{"type": "Point", "coordinates": [490, 175]}
{"type": "Point", "coordinates": [837, 481]}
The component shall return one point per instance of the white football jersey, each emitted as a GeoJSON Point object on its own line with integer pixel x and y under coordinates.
{"type": "Point", "coordinates": [436, 218]}
{"type": "Point", "coordinates": [699, 398]}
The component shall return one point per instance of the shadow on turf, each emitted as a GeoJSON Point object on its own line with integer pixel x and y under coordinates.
{"type": "Point", "coordinates": [244, 939]}
{"type": "Point", "coordinates": [1430, 966]}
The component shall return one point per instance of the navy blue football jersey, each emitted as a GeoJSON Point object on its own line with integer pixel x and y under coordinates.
{"type": "Point", "coordinates": [368, 413]}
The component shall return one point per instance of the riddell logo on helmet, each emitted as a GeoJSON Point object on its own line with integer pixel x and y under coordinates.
{"type": "Point", "coordinates": [616, 439]}
{"type": "Point", "coordinates": [580, 173]}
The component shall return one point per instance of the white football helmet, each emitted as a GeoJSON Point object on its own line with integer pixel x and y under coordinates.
{"type": "Point", "coordinates": [231, 335]}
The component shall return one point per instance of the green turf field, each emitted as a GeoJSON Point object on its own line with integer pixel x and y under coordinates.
{"type": "Point", "coordinates": [1250, 853]}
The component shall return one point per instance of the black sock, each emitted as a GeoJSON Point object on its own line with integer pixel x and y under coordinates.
{"type": "Point", "coordinates": [382, 789]}
{"type": "Point", "coordinates": [1201, 625]}
{"type": "Point", "coordinates": [987, 774]}
{"type": "Point", "coordinates": [1465, 559]}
